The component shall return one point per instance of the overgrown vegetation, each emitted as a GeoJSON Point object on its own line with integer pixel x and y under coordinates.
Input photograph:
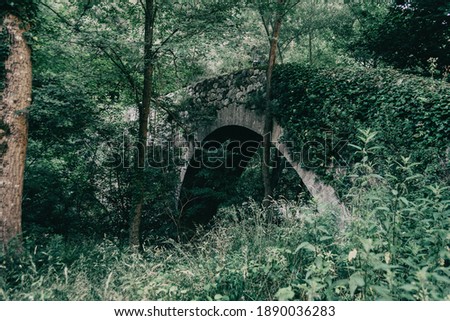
{"type": "Point", "coordinates": [423, 51]}
{"type": "Point", "coordinates": [327, 106]}
{"type": "Point", "coordinates": [334, 82]}
{"type": "Point", "coordinates": [395, 246]}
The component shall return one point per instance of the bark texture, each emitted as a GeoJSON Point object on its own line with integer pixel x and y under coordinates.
{"type": "Point", "coordinates": [144, 111]}
{"type": "Point", "coordinates": [14, 101]}
{"type": "Point", "coordinates": [268, 119]}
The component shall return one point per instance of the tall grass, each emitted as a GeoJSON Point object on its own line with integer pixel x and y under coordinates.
{"type": "Point", "coordinates": [395, 246]}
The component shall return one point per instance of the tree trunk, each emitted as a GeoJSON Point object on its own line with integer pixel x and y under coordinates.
{"type": "Point", "coordinates": [14, 101]}
{"type": "Point", "coordinates": [268, 120]}
{"type": "Point", "coordinates": [310, 47]}
{"type": "Point", "coordinates": [144, 111]}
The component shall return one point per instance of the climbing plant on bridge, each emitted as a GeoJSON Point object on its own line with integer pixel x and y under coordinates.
{"type": "Point", "coordinates": [411, 114]}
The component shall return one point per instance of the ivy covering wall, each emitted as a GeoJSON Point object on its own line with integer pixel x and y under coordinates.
{"type": "Point", "coordinates": [320, 109]}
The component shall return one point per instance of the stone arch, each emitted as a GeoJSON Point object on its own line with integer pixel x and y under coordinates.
{"type": "Point", "coordinates": [324, 194]}
{"type": "Point", "coordinates": [228, 96]}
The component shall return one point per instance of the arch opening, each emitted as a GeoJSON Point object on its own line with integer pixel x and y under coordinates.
{"type": "Point", "coordinates": [225, 170]}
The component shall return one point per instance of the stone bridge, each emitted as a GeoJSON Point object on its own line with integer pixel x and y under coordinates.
{"type": "Point", "coordinates": [226, 102]}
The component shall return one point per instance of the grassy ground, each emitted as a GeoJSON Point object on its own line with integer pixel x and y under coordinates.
{"type": "Point", "coordinates": [302, 257]}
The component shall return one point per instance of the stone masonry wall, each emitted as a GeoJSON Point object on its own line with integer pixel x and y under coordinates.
{"type": "Point", "coordinates": [224, 101]}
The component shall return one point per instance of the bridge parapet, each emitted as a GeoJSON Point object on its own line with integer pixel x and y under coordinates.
{"type": "Point", "coordinates": [228, 90]}
{"type": "Point", "coordinates": [225, 100]}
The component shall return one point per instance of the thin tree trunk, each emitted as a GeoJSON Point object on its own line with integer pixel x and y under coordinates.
{"type": "Point", "coordinates": [268, 120]}
{"type": "Point", "coordinates": [14, 100]}
{"type": "Point", "coordinates": [310, 47]}
{"type": "Point", "coordinates": [144, 111]}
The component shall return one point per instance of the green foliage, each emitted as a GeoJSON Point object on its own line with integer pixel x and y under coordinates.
{"type": "Point", "coordinates": [26, 10]}
{"type": "Point", "coordinates": [357, 30]}
{"type": "Point", "coordinates": [80, 151]}
{"type": "Point", "coordinates": [417, 32]}
{"type": "Point", "coordinates": [411, 115]}
{"type": "Point", "coordinates": [426, 24]}
{"type": "Point", "coordinates": [395, 246]}
{"type": "Point", "coordinates": [395, 254]}
{"type": "Point", "coordinates": [87, 72]}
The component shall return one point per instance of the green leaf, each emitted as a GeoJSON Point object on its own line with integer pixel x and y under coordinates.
{"type": "Point", "coordinates": [305, 245]}
{"type": "Point", "coordinates": [367, 244]}
{"type": "Point", "coordinates": [355, 146]}
{"type": "Point", "coordinates": [218, 297]}
{"type": "Point", "coordinates": [409, 287]}
{"type": "Point", "coordinates": [285, 294]}
{"type": "Point", "coordinates": [383, 292]}
{"type": "Point", "coordinates": [404, 200]}
{"type": "Point", "coordinates": [356, 280]}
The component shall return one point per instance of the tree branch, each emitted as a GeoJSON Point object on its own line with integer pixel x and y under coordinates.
{"type": "Point", "coordinates": [124, 72]}
{"type": "Point", "coordinates": [165, 41]}
{"type": "Point", "coordinates": [61, 17]}
{"type": "Point", "coordinates": [289, 9]}
{"type": "Point", "coordinates": [143, 5]}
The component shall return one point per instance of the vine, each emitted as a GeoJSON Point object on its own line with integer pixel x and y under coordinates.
{"type": "Point", "coordinates": [320, 109]}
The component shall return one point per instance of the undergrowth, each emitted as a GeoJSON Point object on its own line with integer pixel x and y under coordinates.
{"type": "Point", "coordinates": [395, 246]}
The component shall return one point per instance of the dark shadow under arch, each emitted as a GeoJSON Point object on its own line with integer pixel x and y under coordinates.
{"type": "Point", "coordinates": [226, 152]}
